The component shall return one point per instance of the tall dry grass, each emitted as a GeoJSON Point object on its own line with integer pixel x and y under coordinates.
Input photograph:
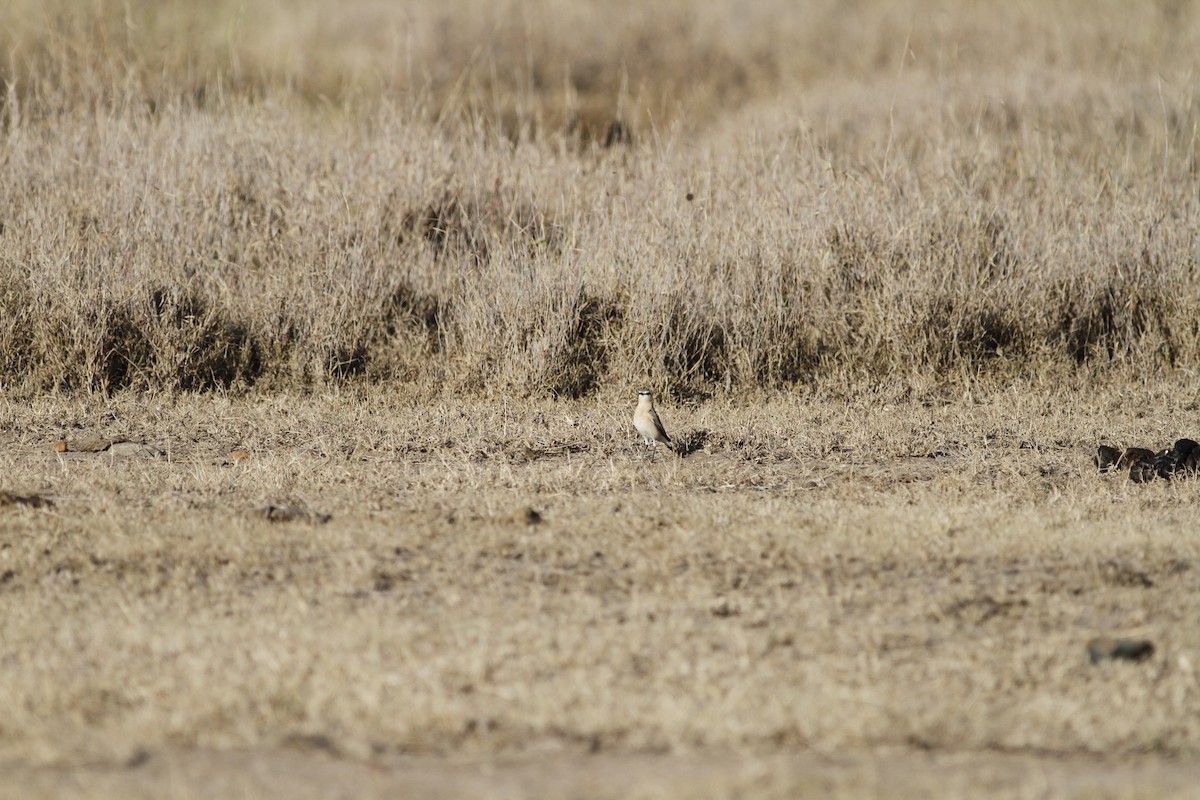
{"type": "Point", "coordinates": [560, 196]}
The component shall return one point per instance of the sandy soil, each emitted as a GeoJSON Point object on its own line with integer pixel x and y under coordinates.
{"type": "Point", "coordinates": [900, 774]}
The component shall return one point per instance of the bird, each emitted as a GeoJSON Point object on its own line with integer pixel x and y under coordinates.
{"type": "Point", "coordinates": [646, 420]}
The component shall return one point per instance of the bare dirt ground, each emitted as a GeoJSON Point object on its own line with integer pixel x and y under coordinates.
{"type": "Point", "coordinates": [855, 596]}
{"type": "Point", "coordinates": [284, 773]}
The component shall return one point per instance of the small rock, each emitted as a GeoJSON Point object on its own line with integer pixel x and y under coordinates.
{"type": "Point", "coordinates": [95, 443]}
{"type": "Point", "coordinates": [290, 513]}
{"type": "Point", "coordinates": [526, 454]}
{"type": "Point", "coordinates": [124, 448]}
{"type": "Point", "coordinates": [1105, 648]}
{"type": "Point", "coordinates": [89, 443]}
{"type": "Point", "coordinates": [1143, 471]}
{"type": "Point", "coordinates": [31, 500]}
{"type": "Point", "coordinates": [233, 459]}
{"type": "Point", "coordinates": [1192, 462]}
{"type": "Point", "coordinates": [1182, 458]}
{"type": "Point", "coordinates": [311, 741]}
{"type": "Point", "coordinates": [530, 516]}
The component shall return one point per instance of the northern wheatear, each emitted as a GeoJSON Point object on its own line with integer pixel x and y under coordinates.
{"type": "Point", "coordinates": [646, 420]}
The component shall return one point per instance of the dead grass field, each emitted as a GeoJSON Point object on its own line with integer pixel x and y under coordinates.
{"type": "Point", "coordinates": [828, 577]}
{"type": "Point", "coordinates": [996, 191]}
{"type": "Point", "coordinates": [894, 269]}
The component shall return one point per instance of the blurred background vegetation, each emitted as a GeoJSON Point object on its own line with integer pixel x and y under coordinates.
{"type": "Point", "coordinates": [569, 197]}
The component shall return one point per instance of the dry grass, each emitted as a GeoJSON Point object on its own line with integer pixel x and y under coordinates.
{"type": "Point", "coordinates": [823, 576]}
{"type": "Point", "coordinates": [1008, 194]}
{"type": "Point", "coordinates": [894, 268]}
